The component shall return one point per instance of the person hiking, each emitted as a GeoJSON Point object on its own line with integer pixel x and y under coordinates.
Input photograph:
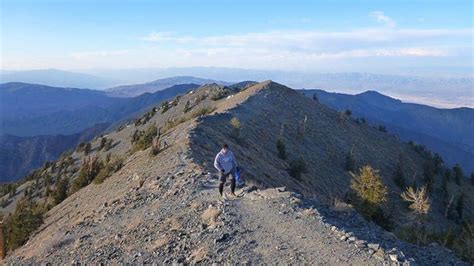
{"type": "Point", "coordinates": [226, 164]}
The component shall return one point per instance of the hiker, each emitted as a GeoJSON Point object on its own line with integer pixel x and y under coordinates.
{"type": "Point", "coordinates": [226, 164]}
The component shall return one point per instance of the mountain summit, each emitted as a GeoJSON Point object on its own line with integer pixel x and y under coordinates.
{"type": "Point", "coordinates": [162, 205]}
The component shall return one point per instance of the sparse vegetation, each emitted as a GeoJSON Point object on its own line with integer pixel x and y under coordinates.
{"type": "Point", "coordinates": [26, 218]}
{"type": "Point", "coordinates": [203, 111]}
{"type": "Point", "coordinates": [90, 168]}
{"type": "Point", "coordinates": [61, 190]}
{"type": "Point", "coordinates": [428, 175]}
{"type": "Point", "coordinates": [165, 106]}
{"type": "Point", "coordinates": [142, 140]}
{"type": "Point", "coordinates": [281, 148]}
{"type": "Point", "coordinates": [111, 166]}
{"type": "Point", "coordinates": [399, 175]}
{"type": "Point", "coordinates": [458, 174]}
{"type": "Point", "coordinates": [218, 93]}
{"type": "Point", "coordinates": [350, 165]}
{"type": "Point", "coordinates": [187, 107]}
{"type": "Point", "coordinates": [87, 148]}
{"type": "Point", "coordinates": [297, 167]}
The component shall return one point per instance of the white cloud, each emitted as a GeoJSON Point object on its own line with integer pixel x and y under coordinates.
{"type": "Point", "coordinates": [398, 42]}
{"type": "Point", "coordinates": [84, 55]}
{"type": "Point", "coordinates": [381, 17]}
{"type": "Point", "coordinates": [166, 37]}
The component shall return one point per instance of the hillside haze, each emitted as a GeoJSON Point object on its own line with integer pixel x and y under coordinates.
{"type": "Point", "coordinates": [162, 203]}
{"type": "Point", "coordinates": [445, 131]}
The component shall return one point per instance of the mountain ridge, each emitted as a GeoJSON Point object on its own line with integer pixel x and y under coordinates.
{"type": "Point", "coordinates": [165, 207]}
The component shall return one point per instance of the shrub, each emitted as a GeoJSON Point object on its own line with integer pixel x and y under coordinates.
{"type": "Point", "coordinates": [218, 93]}
{"type": "Point", "coordinates": [399, 176]}
{"type": "Point", "coordinates": [80, 147]}
{"type": "Point", "coordinates": [203, 111]}
{"type": "Point", "coordinates": [369, 190]}
{"type": "Point", "coordinates": [348, 112]}
{"type": "Point", "coordinates": [145, 138]}
{"type": "Point", "coordinates": [26, 218]}
{"type": "Point", "coordinates": [315, 97]}
{"type": "Point", "coordinates": [87, 148]}
{"type": "Point", "coordinates": [176, 100]}
{"type": "Point", "coordinates": [382, 128]}
{"type": "Point", "coordinates": [419, 201]}
{"type": "Point", "coordinates": [350, 165]}
{"type": "Point", "coordinates": [472, 178]}
{"type": "Point", "coordinates": [361, 121]}
{"type": "Point", "coordinates": [297, 167]}
{"type": "Point", "coordinates": [165, 106]}
{"type": "Point", "coordinates": [112, 166]}
{"type": "Point", "coordinates": [428, 175]}
{"type": "Point", "coordinates": [169, 124]}
{"type": "Point", "coordinates": [60, 192]}
{"type": "Point", "coordinates": [103, 142]}
{"type": "Point", "coordinates": [187, 107]}
{"type": "Point", "coordinates": [458, 174]}
{"type": "Point", "coordinates": [280, 144]}
{"type": "Point", "coordinates": [89, 170]}
{"type": "Point", "coordinates": [235, 123]}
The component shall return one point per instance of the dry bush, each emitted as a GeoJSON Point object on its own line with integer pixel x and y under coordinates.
{"type": "Point", "coordinates": [420, 203]}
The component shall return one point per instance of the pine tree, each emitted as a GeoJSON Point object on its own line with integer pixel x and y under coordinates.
{"type": "Point", "coordinates": [26, 218]}
{"type": "Point", "coordinates": [369, 189]}
{"type": "Point", "coordinates": [350, 162]}
{"type": "Point", "coordinates": [428, 175]}
{"type": "Point", "coordinates": [458, 174]}
{"type": "Point", "coordinates": [281, 148]}
{"type": "Point", "coordinates": [399, 176]}
{"type": "Point", "coordinates": [60, 192]}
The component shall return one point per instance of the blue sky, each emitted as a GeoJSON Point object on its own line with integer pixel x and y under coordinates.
{"type": "Point", "coordinates": [336, 35]}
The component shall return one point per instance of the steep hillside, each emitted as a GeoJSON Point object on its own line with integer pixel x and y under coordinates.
{"type": "Point", "coordinates": [20, 155]}
{"type": "Point", "coordinates": [162, 204]}
{"type": "Point", "coordinates": [445, 131]}
{"type": "Point", "coordinates": [157, 85]}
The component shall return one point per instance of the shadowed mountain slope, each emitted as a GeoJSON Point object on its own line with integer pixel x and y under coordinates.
{"type": "Point", "coordinates": [445, 131]}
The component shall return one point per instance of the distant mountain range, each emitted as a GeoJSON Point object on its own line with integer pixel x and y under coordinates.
{"type": "Point", "coordinates": [31, 109]}
{"type": "Point", "coordinates": [19, 155]}
{"type": "Point", "coordinates": [55, 77]}
{"type": "Point", "coordinates": [446, 131]}
{"type": "Point", "coordinates": [38, 123]}
{"type": "Point", "coordinates": [158, 85]}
